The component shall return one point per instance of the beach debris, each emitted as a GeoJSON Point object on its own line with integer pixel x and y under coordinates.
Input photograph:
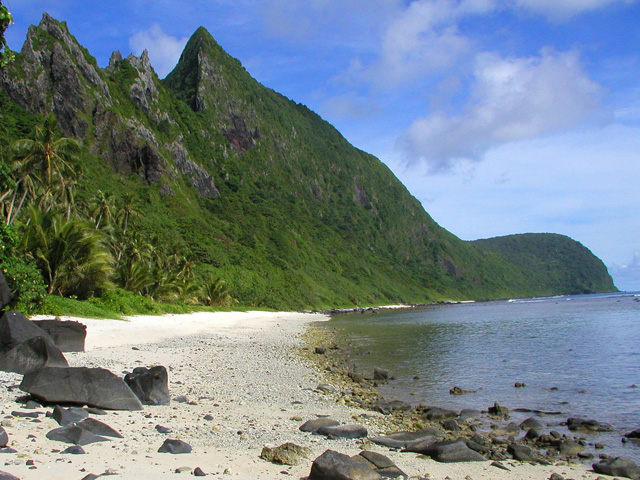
{"type": "Point", "coordinates": [68, 335]}
{"type": "Point", "coordinates": [174, 447]}
{"type": "Point", "coordinates": [286, 454]}
{"type": "Point", "coordinates": [96, 387]}
{"type": "Point", "coordinates": [344, 431]}
{"type": "Point", "coordinates": [331, 465]}
{"type": "Point", "coordinates": [451, 451]}
{"type": "Point", "coordinates": [317, 423]}
{"type": "Point", "coordinates": [618, 466]}
{"type": "Point", "coordinates": [151, 385]}
{"type": "Point", "coordinates": [34, 353]}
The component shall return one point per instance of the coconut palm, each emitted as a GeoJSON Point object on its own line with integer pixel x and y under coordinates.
{"type": "Point", "coordinates": [216, 293]}
{"type": "Point", "coordinates": [102, 208]}
{"type": "Point", "coordinates": [39, 162]}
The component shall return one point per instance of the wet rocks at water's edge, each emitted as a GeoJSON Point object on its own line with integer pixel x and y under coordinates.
{"type": "Point", "coordinates": [472, 435]}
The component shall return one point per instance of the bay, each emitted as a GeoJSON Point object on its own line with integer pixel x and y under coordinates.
{"type": "Point", "coordinates": [578, 355]}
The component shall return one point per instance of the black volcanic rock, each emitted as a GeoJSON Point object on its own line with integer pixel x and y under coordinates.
{"type": "Point", "coordinates": [69, 336]}
{"type": "Point", "coordinates": [15, 328]}
{"type": "Point", "coordinates": [5, 292]}
{"type": "Point", "coordinates": [96, 387]}
{"type": "Point", "coordinates": [37, 352]}
{"type": "Point", "coordinates": [151, 385]}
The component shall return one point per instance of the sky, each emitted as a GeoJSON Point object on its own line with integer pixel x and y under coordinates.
{"type": "Point", "coordinates": [499, 116]}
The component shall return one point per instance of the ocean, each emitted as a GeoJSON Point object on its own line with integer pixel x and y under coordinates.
{"type": "Point", "coordinates": [577, 355]}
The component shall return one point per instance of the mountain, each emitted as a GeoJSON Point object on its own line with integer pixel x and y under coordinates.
{"type": "Point", "coordinates": [254, 187]}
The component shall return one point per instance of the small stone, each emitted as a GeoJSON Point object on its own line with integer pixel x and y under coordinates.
{"type": "Point", "coordinates": [74, 450]}
{"type": "Point", "coordinates": [174, 447]}
{"type": "Point", "coordinates": [162, 429]}
{"type": "Point", "coordinates": [183, 469]}
{"type": "Point", "coordinates": [197, 472]}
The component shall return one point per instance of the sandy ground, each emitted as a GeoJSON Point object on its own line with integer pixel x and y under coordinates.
{"type": "Point", "coordinates": [242, 369]}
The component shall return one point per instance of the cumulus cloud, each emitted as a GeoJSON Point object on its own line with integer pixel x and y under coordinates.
{"type": "Point", "coordinates": [511, 99]}
{"type": "Point", "coordinates": [561, 10]}
{"type": "Point", "coordinates": [627, 276]}
{"type": "Point", "coordinates": [164, 50]}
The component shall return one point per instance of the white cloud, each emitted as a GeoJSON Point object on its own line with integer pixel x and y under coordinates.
{"type": "Point", "coordinates": [627, 276]}
{"type": "Point", "coordinates": [164, 50]}
{"type": "Point", "coordinates": [511, 99]}
{"type": "Point", "coordinates": [563, 9]}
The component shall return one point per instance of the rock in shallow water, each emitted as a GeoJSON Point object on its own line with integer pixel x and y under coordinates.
{"type": "Point", "coordinates": [452, 451]}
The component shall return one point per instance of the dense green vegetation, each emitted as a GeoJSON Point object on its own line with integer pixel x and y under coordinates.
{"type": "Point", "coordinates": [555, 263]}
{"type": "Point", "coordinates": [207, 188]}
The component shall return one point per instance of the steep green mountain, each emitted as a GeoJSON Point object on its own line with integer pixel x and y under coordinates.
{"type": "Point", "coordinates": [252, 186]}
{"type": "Point", "coordinates": [554, 263]}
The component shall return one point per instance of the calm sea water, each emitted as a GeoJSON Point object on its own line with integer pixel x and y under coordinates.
{"type": "Point", "coordinates": [587, 347]}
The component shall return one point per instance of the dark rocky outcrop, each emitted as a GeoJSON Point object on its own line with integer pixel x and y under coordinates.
{"type": "Point", "coordinates": [151, 385]}
{"type": "Point", "coordinates": [37, 352]}
{"type": "Point", "coordinates": [96, 387]}
{"type": "Point", "coordinates": [408, 440]}
{"type": "Point", "coordinates": [382, 465]}
{"type": "Point", "coordinates": [69, 336]}
{"type": "Point", "coordinates": [618, 466]}
{"type": "Point", "coordinates": [452, 451]}
{"type": "Point", "coordinates": [66, 416]}
{"type": "Point", "coordinates": [332, 465]}
{"type": "Point", "coordinates": [15, 328]}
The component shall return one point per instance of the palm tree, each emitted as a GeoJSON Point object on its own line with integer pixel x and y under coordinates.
{"type": "Point", "coordinates": [40, 161]}
{"type": "Point", "coordinates": [102, 208]}
{"type": "Point", "coordinates": [216, 293]}
{"type": "Point", "coordinates": [127, 209]}
{"type": "Point", "coordinates": [69, 253]}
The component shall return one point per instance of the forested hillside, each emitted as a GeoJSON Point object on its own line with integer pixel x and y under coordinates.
{"type": "Point", "coordinates": [206, 187]}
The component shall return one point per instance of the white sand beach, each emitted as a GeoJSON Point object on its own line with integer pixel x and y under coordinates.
{"type": "Point", "coordinates": [242, 371]}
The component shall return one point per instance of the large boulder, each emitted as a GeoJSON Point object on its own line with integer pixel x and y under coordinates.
{"type": "Point", "coordinates": [618, 466]}
{"type": "Point", "coordinates": [34, 353]}
{"type": "Point", "coordinates": [15, 328]}
{"type": "Point", "coordinates": [452, 451]}
{"type": "Point", "coordinates": [5, 292]}
{"type": "Point", "coordinates": [151, 385]}
{"type": "Point", "coordinates": [381, 464]}
{"type": "Point", "coordinates": [69, 336]}
{"type": "Point", "coordinates": [332, 465]}
{"type": "Point", "coordinates": [96, 387]}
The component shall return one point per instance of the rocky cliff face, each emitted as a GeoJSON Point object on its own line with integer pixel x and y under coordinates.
{"type": "Point", "coordinates": [53, 73]}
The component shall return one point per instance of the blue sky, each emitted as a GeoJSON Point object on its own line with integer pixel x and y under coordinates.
{"type": "Point", "coordinates": [500, 116]}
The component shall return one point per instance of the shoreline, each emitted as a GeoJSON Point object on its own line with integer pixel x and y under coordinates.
{"type": "Point", "coordinates": [246, 380]}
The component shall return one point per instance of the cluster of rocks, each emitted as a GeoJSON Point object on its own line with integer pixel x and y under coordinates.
{"type": "Point", "coordinates": [471, 435]}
